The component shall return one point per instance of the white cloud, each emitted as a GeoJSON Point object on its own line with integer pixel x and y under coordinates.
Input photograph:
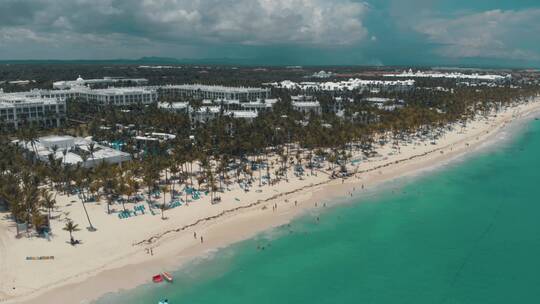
{"type": "Point", "coordinates": [17, 35]}
{"type": "Point", "coordinates": [491, 34]}
{"type": "Point", "coordinates": [259, 22]}
{"type": "Point", "coordinates": [247, 22]}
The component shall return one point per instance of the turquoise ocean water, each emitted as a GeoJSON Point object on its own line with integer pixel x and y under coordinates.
{"type": "Point", "coordinates": [467, 233]}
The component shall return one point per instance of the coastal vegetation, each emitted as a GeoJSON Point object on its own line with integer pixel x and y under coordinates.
{"type": "Point", "coordinates": [210, 157]}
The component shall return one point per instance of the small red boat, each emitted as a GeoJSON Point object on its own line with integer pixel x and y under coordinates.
{"type": "Point", "coordinates": [167, 276]}
{"type": "Point", "coordinates": [157, 278]}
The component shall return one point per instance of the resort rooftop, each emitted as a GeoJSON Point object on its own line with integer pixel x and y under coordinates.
{"type": "Point", "coordinates": [305, 104]}
{"type": "Point", "coordinates": [243, 114]}
{"type": "Point", "coordinates": [14, 100]}
{"type": "Point", "coordinates": [215, 88]}
{"type": "Point", "coordinates": [474, 76]}
{"type": "Point", "coordinates": [121, 91]}
{"type": "Point", "coordinates": [73, 150]}
{"type": "Point", "coordinates": [351, 84]}
{"type": "Point", "coordinates": [80, 82]}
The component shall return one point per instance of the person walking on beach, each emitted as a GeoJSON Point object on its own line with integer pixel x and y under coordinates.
{"type": "Point", "coordinates": [195, 235]}
{"type": "Point", "coordinates": [202, 240]}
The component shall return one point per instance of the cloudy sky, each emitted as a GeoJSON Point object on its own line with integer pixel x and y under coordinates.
{"type": "Point", "coordinates": [372, 32]}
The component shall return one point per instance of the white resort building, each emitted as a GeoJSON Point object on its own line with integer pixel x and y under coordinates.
{"type": "Point", "coordinates": [73, 150]}
{"type": "Point", "coordinates": [205, 114]}
{"type": "Point", "coordinates": [245, 115]}
{"type": "Point", "coordinates": [17, 110]}
{"type": "Point", "coordinates": [259, 105]}
{"type": "Point", "coordinates": [175, 107]}
{"type": "Point", "coordinates": [199, 91]}
{"type": "Point", "coordinates": [105, 81]}
{"type": "Point", "coordinates": [110, 96]}
{"type": "Point", "coordinates": [307, 107]}
{"type": "Point", "coordinates": [386, 104]}
{"type": "Point", "coordinates": [453, 75]}
{"type": "Point", "coordinates": [347, 85]}
{"type": "Point", "coordinates": [119, 96]}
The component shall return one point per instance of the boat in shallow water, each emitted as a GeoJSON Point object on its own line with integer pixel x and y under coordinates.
{"type": "Point", "coordinates": [157, 278]}
{"type": "Point", "coordinates": [167, 276]}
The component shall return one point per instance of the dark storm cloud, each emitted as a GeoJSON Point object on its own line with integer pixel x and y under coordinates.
{"type": "Point", "coordinates": [18, 12]}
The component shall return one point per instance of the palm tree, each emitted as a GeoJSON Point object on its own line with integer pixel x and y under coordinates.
{"type": "Point", "coordinates": [150, 176]}
{"type": "Point", "coordinates": [174, 174]}
{"type": "Point", "coordinates": [48, 201]}
{"type": "Point", "coordinates": [126, 186]}
{"type": "Point", "coordinates": [164, 189]}
{"type": "Point", "coordinates": [81, 180]}
{"type": "Point", "coordinates": [64, 152]}
{"type": "Point", "coordinates": [30, 196]}
{"type": "Point", "coordinates": [31, 137]}
{"type": "Point", "coordinates": [71, 227]}
{"type": "Point", "coordinates": [211, 182]}
{"type": "Point", "coordinates": [38, 220]}
{"type": "Point", "coordinates": [54, 150]}
{"type": "Point", "coordinates": [110, 186]}
{"type": "Point", "coordinates": [92, 149]}
{"type": "Point", "coordinates": [163, 207]}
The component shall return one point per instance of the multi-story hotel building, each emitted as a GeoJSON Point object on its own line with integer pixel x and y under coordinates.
{"type": "Point", "coordinates": [198, 91]}
{"type": "Point", "coordinates": [119, 96]}
{"type": "Point", "coordinates": [18, 110]}
{"type": "Point", "coordinates": [105, 81]}
{"type": "Point", "coordinates": [110, 96]}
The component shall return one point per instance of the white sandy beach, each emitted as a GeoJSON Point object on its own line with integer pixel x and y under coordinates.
{"type": "Point", "coordinates": [115, 256]}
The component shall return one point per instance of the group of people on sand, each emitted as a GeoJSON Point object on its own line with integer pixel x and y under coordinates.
{"type": "Point", "coordinates": [274, 208]}
{"type": "Point", "coordinates": [74, 241]}
{"type": "Point", "coordinates": [195, 237]}
{"type": "Point", "coordinates": [151, 250]}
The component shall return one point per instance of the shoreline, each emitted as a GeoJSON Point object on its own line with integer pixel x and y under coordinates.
{"type": "Point", "coordinates": [175, 244]}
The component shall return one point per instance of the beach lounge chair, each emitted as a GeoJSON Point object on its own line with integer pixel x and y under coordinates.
{"type": "Point", "coordinates": [124, 214]}
{"type": "Point", "coordinates": [139, 208]}
{"type": "Point", "coordinates": [175, 204]}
